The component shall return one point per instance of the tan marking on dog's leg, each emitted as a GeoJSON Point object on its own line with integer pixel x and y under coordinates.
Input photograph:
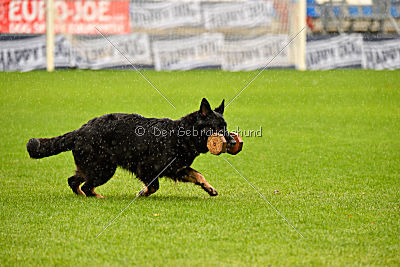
{"type": "Point", "coordinates": [197, 178]}
{"type": "Point", "coordinates": [145, 192]}
{"type": "Point", "coordinates": [79, 173]}
{"type": "Point", "coordinates": [80, 192]}
{"type": "Point", "coordinates": [96, 195]}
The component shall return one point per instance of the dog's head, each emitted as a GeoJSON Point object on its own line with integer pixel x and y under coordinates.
{"type": "Point", "coordinates": [212, 121]}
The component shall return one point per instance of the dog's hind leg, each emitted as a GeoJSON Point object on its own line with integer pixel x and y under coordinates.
{"type": "Point", "coordinates": [96, 177]}
{"type": "Point", "coordinates": [95, 167]}
{"type": "Point", "coordinates": [190, 175]}
{"type": "Point", "coordinates": [88, 190]}
{"type": "Point", "coordinates": [74, 182]}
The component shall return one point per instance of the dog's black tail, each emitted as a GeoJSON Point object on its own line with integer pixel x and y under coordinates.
{"type": "Point", "coordinates": [45, 147]}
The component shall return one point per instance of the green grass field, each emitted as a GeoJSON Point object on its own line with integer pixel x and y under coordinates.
{"type": "Point", "coordinates": [330, 144]}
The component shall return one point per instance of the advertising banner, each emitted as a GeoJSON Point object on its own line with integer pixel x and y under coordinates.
{"type": "Point", "coordinates": [188, 53]}
{"type": "Point", "coordinates": [165, 14]}
{"type": "Point", "coordinates": [381, 55]}
{"type": "Point", "coordinates": [74, 17]}
{"type": "Point", "coordinates": [336, 52]}
{"type": "Point", "coordinates": [30, 53]}
{"type": "Point", "coordinates": [239, 14]}
{"type": "Point", "coordinates": [99, 53]}
{"type": "Point", "coordinates": [255, 53]}
{"type": "Point", "coordinates": [17, 55]}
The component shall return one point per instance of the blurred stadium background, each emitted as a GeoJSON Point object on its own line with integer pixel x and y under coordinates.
{"type": "Point", "coordinates": [182, 35]}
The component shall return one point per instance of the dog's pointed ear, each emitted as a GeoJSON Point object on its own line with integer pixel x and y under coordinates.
{"type": "Point", "coordinates": [205, 107]}
{"type": "Point", "coordinates": [221, 107]}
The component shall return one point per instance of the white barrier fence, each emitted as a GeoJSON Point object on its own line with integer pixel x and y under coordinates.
{"type": "Point", "coordinates": [201, 51]}
{"type": "Point", "coordinates": [351, 50]}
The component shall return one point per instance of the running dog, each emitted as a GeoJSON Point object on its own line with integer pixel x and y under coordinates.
{"type": "Point", "coordinates": [148, 147]}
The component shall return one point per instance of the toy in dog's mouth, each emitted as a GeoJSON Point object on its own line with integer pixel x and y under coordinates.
{"type": "Point", "coordinates": [217, 144]}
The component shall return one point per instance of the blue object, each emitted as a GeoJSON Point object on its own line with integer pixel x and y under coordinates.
{"type": "Point", "coordinates": [353, 11]}
{"type": "Point", "coordinates": [367, 11]}
{"type": "Point", "coordinates": [312, 12]}
{"type": "Point", "coordinates": [336, 10]}
{"type": "Point", "coordinates": [395, 13]}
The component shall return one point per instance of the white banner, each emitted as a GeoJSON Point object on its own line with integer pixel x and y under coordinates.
{"type": "Point", "coordinates": [62, 52]}
{"type": "Point", "coordinates": [30, 54]}
{"type": "Point", "coordinates": [255, 53]}
{"type": "Point", "coordinates": [335, 52]}
{"type": "Point", "coordinates": [165, 14]}
{"type": "Point", "coordinates": [381, 55]}
{"type": "Point", "coordinates": [243, 14]}
{"type": "Point", "coordinates": [205, 50]}
{"type": "Point", "coordinates": [23, 54]}
{"type": "Point", "coordinates": [99, 53]}
{"type": "Point", "coordinates": [189, 53]}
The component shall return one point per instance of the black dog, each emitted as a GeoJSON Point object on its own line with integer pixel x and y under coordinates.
{"type": "Point", "coordinates": [148, 147]}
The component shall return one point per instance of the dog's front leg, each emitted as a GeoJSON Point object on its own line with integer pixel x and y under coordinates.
{"type": "Point", "coordinates": [149, 189]}
{"type": "Point", "coordinates": [190, 175]}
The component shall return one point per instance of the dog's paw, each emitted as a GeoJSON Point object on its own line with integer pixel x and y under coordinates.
{"type": "Point", "coordinates": [145, 193]}
{"type": "Point", "coordinates": [212, 192]}
{"type": "Point", "coordinates": [141, 193]}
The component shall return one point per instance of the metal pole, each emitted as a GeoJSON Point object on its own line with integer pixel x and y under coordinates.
{"type": "Point", "coordinates": [50, 35]}
{"type": "Point", "coordinates": [302, 38]}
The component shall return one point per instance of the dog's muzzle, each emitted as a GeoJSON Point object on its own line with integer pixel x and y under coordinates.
{"type": "Point", "coordinates": [230, 142]}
